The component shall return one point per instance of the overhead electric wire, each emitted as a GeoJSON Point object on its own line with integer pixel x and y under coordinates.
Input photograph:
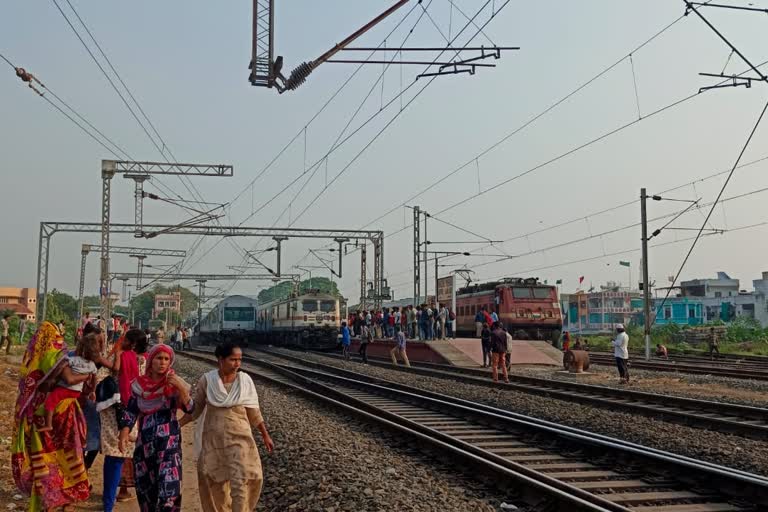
{"type": "Point", "coordinates": [410, 101]}
{"type": "Point", "coordinates": [550, 108]}
{"type": "Point", "coordinates": [716, 201]}
{"type": "Point", "coordinates": [418, 93]}
{"type": "Point", "coordinates": [192, 191]}
{"type": "Point", "coordinates": [339, 142]}
{"type": "Point", "coordinates": [567, 153]}
{"type": "Point", "coordinates": [333, 148]}
{"type": "Point", "coordinates": [325, 105]}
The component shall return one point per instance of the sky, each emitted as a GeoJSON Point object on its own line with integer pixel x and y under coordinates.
{"type": "Point", "coordinates": [508, 154]}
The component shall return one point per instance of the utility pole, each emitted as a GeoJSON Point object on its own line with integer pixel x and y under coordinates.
{"type": "Point", "coordinates": [646, 285]}
{"type": "Point", "coordinates": [200, 292]}
{"type": "Point", "coordinates": [426, 256]}
{"type": "Point", "coordinates": [416, 255]}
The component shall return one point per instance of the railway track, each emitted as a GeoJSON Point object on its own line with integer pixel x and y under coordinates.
{"type": "Point", "coordinates": [725, 359]}
{"type": "Point", "coordinates": [704, 367]}
{"type": "Point", "coordinates": [723, 417]}
{"type": "Point", "coordinates": [553, 467]}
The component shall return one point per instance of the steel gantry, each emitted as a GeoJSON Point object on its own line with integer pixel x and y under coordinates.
{"type": "Point", "coordinates": [137, 252]}
{"type": "Point", "coordinates": [49, 229]}
{"type": "Point", "coordinates": [139, 172]}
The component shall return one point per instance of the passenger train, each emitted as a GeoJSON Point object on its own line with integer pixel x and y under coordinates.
{"type": "Point", "coordinates": [233, 319]}
{"type": "Point", "coordinates": [310, 320]}
{"type": "Point", "coordinates": [527, 308]}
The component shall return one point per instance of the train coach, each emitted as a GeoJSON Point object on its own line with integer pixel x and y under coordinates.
{"type": "Point", "coordinates": [310, 320]}
{"type": "Point", "coordinates": [233, 320]}
{"type": "Point", "coordinates": [528, 309]}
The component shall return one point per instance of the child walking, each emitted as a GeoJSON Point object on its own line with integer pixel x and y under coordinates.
{"type": "Point", "coordinates": [79, 368]}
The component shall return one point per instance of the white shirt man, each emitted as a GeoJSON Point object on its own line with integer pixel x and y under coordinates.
{"type": "Point", "coordinates": [621, 352]}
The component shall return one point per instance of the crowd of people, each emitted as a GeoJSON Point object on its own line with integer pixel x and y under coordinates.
{"type": "Point", "coordinates": [114, 395]}
{"type": "Point", "coordinates": [425, 322]}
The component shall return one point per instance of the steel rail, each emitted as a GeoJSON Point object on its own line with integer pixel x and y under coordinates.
{"type": "Point", "coordinates": [723, 417]}
{"type": "Point", "coordinates": [700, 369]}
{"type": "Point", "coordinates": [544, 451]}
{"type": "Point", "coordinates": [533, 491]}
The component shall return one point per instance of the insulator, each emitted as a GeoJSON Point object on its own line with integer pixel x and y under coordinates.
{"type": "Point", "coordinates": [298, 75]}
{"type": "Point", "coordinates": [22, 73]}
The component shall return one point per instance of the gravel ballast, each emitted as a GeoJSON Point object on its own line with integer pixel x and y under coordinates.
{"type": "Point", "coordinates": [325, 461]}
{"type": "Point", "coordinates": [701, 386]}
{"type": "Point", "coordinates": [727, 450]}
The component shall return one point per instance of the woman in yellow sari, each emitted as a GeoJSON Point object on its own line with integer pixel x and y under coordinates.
{"type": "Point", "coordinates": [47, 466]}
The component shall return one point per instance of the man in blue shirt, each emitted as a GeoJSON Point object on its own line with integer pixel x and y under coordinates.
{"type": "Point", "coordinates": [346, 340]}
{"type": "Point", "coordinates": [399, 349]}
{"type": "Point", "coordinates": [479, 319]}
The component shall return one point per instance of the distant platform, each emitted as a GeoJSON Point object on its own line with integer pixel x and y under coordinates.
{"type": "Point", "coordinates": [467, 352]}
{"type": "Point", "coordinates": [524, 352]}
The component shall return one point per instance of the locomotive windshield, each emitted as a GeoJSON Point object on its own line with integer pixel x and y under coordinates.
{"type": "Point", "coordinates": [245, 314]}
{"type": "Point", "coordinates": [327, 306]}
{"type": "Point", "coordinates": [521, 293]}
{"type": "Point", "coordinates": [542, 293]}
{"type": "Point", "coordinates": [309, 306]}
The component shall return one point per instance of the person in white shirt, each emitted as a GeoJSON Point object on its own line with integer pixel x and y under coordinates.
{"type": "Point", "coordinates": [621, 352]}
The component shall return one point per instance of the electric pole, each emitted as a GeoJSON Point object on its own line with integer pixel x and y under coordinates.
{"type": "Point", "coordinates": [416, 255]}
{"type": "Point", "coordinates": [426, 256]}
{"type": "Point", "coordinates": [646, 284]}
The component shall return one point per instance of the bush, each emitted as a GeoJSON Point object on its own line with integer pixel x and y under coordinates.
{"type": "Point", "coordinates": [668, 334]}
{"type": "Point", "coordinates": [745, 329]}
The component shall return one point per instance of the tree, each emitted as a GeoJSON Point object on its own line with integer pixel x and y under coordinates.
{"type": "Point", "coordinates": [144, 303]}
{"type": "Point", "coordinates": [61, 306]}
{"type": "Point", "coordinates": [284, 289]}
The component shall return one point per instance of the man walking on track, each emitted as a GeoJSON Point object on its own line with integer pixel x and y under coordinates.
{"type": "Point", "coordinates": [365, 338]}
{"type": "Point", "coordinates": [400, 349]}
{"type": "Point", "coordinates": [499, 348]}
{"type": "Point", "coordinates": [5, 336]}
{"type": "Point", "coordinates": [621, 352]}
{"type": "Point", "coordinates": [346, 340]}
{"type": "Point", "coordinates": [713, 343]}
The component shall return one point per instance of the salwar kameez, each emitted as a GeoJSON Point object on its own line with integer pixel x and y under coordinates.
{"type": "Point", "coordinates": [157, 458]}
{"type": "Point", "coordinates": [229, 468]}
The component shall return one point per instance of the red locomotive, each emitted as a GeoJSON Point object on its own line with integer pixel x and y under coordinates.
{"type": "Point", "coordinates": [528, 309]}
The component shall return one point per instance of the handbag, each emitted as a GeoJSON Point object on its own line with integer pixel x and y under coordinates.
{"type": "Point", "coordinates": [107, 393]}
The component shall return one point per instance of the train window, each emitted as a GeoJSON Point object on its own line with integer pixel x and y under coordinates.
{"type": "Point", "coordinates": [541, 293]}
{"type": "Point", "coordinates": [310, 306]}
{"type": "Point", "coordinates": [521, 293]}
{"type": "Point", "coordinates": [328, 306]}
{"type": "Point", "coordinates": [238, 314]}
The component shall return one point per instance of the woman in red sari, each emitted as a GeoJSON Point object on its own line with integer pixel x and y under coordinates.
{"type": "Point", "coordinates": [48, 466]}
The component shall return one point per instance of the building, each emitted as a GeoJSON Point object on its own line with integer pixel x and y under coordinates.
{"type": "Point", "coordinates": [721, 287]}
{"type": "Point", "coordinates": [171, 302]}
{"type": "Point", "coordinates": [708, 300]}
{"type": "Point", "coordinates": [600, 310]}
{"type": "Point", "coordinates": [22, 301]}
{"type": "Point", "coordinates": [679, 310]}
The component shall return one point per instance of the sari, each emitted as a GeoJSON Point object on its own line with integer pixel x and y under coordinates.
{"type": "Point", "coordinates": [47, 466]}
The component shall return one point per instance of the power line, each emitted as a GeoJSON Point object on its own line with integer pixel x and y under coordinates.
{"type": "Point", "coordinates": [333, 148]}
{"type": "Point", "coordinates": [717, 200]}
{"type": "Point", "coordinates": [193, 190]}
{"type": "Point", "coordinates": [325, 105]}
{"type": "Point", "coordinates": [8, 61]}
{"type": "Point", "coordinates": [389, 123]}
{"type": "Point", "coordinates": [532, 120]}
{"type": "Point", "coordinates": [416, 95]}
{"type": "Point", "coordinates": [339, 142]}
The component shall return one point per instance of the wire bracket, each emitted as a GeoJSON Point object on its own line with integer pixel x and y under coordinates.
{"type": "Point", "coordinates": [735, 81]}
